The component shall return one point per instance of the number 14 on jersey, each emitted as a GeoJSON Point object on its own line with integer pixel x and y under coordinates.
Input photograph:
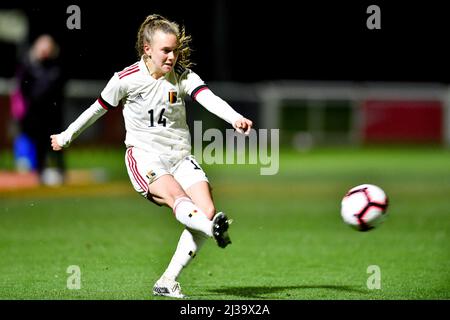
{"type": "Point", "coordinates": [161, 119]}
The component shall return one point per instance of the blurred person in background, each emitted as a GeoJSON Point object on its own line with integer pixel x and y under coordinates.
{"type": "Point", "coordinates": [37, 108]}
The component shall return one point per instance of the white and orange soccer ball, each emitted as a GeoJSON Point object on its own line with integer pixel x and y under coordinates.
{"type": "Point", "coordinates": [364, 207]}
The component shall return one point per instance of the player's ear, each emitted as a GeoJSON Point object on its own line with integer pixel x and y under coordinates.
{"type": "Point", "coordinates": [147, 49]}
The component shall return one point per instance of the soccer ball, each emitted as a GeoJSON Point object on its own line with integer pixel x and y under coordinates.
{"type": "Point", "coordinates": [364, 207]}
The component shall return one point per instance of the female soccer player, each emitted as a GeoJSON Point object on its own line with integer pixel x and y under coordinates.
{"type": "Point", "coordinates": [158, 155]}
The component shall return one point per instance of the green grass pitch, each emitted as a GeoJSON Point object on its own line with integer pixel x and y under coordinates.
{"type": "Point", "coordinates": [289, 241]}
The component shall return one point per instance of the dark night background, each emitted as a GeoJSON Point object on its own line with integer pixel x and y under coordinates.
{"type": "Point", "coordinates": [251, 41]}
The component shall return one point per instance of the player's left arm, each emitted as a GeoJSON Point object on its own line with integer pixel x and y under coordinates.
{"type": "Point", "coordinates": [222, 109]}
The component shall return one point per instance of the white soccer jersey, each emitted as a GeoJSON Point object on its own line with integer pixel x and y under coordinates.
{"type": "Point", "coordinates": [153, 109]}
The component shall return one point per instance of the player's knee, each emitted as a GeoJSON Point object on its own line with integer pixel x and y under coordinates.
{"type": "Point", "coordinates": [210, 211]}
{"type": "Point", "coordinates": [155, 199]}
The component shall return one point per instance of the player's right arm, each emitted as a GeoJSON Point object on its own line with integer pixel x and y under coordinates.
{"type": "Point", "coordinates": [109, 98]}
{"type": "Point", "coordinates": [87, 118]}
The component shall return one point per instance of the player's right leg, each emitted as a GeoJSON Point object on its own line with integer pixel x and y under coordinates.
{"type": "Point", "coordinates": [189, 244]}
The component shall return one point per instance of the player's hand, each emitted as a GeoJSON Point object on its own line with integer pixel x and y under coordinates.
{"type": "Point", "coordinates": [55, 145]}
{"type": "Point", "coordinates": [243, 126]}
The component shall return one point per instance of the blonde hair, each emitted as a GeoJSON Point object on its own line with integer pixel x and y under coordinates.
{"type": "Point", "coordinates": [156, 22]}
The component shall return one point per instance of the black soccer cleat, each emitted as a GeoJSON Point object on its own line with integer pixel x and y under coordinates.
{"type": "Point", "coordinates": [220, 229]}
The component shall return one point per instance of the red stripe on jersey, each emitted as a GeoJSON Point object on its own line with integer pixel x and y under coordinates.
{"type": "Point", "coordinates": [200, 90]}
{"type": "Point", "coordinates": [128, 73]}
{"type": "Point", "coordinates": [128, 69]}
{"type": "Point", "coordinates": [133, 167]}
{"type": "Point", "coordinates": [133, 65]}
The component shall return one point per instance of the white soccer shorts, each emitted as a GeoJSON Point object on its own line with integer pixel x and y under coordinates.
{"type": "Point", "coordinates": [144, 167]}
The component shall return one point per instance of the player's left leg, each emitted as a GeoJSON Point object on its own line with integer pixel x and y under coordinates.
{"type": "Point", "coordinates": [200, 193]}
{"type": "Point", "coordinates": [193, 180]}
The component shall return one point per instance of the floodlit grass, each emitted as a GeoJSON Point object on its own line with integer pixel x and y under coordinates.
{"type": "Point", "coordinates": [288, 239]}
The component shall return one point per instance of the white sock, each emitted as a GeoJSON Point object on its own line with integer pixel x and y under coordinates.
{"type": "Point", "coordinates": [190, 242]}
{"type": "Point", "coordinates": [192, 216]}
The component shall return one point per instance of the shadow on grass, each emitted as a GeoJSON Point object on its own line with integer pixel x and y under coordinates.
{"type": "Point", "coordinates": [264, 292]}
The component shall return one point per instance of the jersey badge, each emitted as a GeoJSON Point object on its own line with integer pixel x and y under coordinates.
{"type": "Point", "coordinates": [151, 175]}
{"type": "Point", "coordinates": [172, 96]}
